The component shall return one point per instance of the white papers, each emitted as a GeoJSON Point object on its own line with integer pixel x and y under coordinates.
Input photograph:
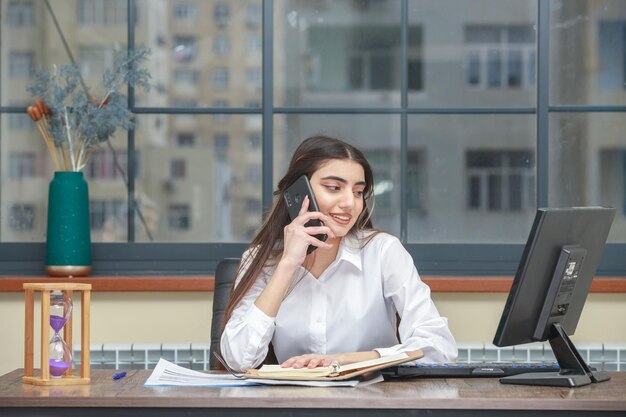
{"type": "Point", "coordinates": [169, 374]}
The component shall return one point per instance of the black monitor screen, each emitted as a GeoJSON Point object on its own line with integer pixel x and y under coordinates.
{"type": "Point", "coordinates": [551, 285]}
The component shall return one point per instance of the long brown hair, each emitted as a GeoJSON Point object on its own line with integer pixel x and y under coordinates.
{"type": "Point", "coordinates": [267, 246]}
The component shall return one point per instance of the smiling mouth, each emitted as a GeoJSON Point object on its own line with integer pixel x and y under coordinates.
{"type": "Point", "coordinates": [341, 219]}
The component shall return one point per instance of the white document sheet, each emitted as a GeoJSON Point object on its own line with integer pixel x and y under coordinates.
{"type": "Point", "coordinates": [169, 374]}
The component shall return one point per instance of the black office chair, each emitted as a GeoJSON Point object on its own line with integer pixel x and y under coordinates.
{"type": "Point", "coordinates": [224, 277]}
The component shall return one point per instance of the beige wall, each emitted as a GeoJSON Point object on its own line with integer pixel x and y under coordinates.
{"type": "Point", "coordinates": [186, 317]}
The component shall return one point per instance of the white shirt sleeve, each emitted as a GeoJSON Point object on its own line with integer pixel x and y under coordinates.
{"type": "Point", "coordinates": [421, 326]}
{"type": "Point", "coordinates": [248, 332]}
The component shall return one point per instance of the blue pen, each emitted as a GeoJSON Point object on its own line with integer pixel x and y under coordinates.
{"type": "Point", "coordinates": [119, 375]}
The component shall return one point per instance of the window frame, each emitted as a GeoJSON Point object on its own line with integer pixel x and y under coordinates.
{"type": "Point", "coordinates": [469, 259]}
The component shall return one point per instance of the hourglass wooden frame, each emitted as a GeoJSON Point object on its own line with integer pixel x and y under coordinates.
{"type": "Point", "coordinates": [29, 297]}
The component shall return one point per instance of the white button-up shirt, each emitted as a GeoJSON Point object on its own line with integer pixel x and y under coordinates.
{"type": "Point", "coordinates": [350, 307]}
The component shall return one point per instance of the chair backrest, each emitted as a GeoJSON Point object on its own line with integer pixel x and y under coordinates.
{"type": "Point", "coordinates": [224, 277]}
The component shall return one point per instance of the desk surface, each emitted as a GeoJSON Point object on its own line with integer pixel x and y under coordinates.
{"type": "Point", "coordinates": [471, 396]}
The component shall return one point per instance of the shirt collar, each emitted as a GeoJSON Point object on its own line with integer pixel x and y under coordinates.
{"type": "Point", "coordinates": [350, 251]}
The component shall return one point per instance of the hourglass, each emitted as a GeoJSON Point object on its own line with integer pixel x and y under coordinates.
{"type": "Point", "coordinates": [56, 351]}
{"type": "Point", "coordinates": [60, 312]}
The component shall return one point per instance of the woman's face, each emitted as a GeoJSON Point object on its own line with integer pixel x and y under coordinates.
{"type": "Point", "coordinates": [339, 186]}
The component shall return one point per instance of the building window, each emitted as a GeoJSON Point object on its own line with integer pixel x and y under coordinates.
{"type": "Point", "coordinates": [500, 56]}
{"type": "Point", "coordinates": [186, 76]}
{"type": "Point", "coordinates": [254, 140]}
{"type": "Point", "coordinates": [253, 174]}
{"type": "Point", "coordinates": [94, 59]}
{"type": "Point", "coordinates": [220, 78]}
{"type": "Point", "coordinates": [221, 45]}
{"type": "Point", "coordinates": [21, 64]}
{"type": "Point", "coordinates": [185, 104]}
{"type": "Point", "coordinates": [185, 11]}
{"type": "Point", "coordinates": [612, 55]}
{"type": "Point", "coordinates": [185, 140]}
{"type": "Point", "coordinates": [221, 12]}
{"type": "Point", "coordinates": [101, 165]}
{"type": "Point", "coordinates": [500, 180]}
{"type": "Point", "coordinates": [102, 12]}
{"type": "Point", "coordinates": [222, 143]}
{"type": "Point", "coordinates": [254, 45]}
{"type": "Point", "coordinates": [109, 213]}
{"type": "Point", "coordinates": [18, 121]}
{"type": "Point", "coordinates": [253, 206]}
{"type": "Point", "coordinates": [178, 169]}
{"type": "Point", "coordinates": [253, 15]}
{"type": "Point", "coordinates": [20, 13]}
{"type": "Point", "coordinates": [178, 217]}
{"type": "Point", "coordinates": [221, 104]}
{"type": "Point", "coordinates": [253, 78]}
{"type": "Point", "coordinates": [185, 48]}
{"type": "Point", "coordinates": [22, 217]}
{"type": "Point", "coordinates": [22, 165]}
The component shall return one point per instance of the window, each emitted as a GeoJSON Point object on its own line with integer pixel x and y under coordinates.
{"type": "Point", "coordinates": [500, 180]}
{"type": "Point", "coordinates": [253, 15]}
{"type": "Point", "coordinates": [93, 59]}
{"type": "Point", "coordinates": [22, 217]}
{"type": "Point", "coordinates": [253, 78]}
{"type": "Point", "coordinates": [253, 206]}
{"type": "Point", "coordinates": [22, 165]}
{"type": "Point", "coordinates": [221, 13]}
{"type": "Point", "coordinates": [220, 117]}
{"type": "Point", "coordinates": [178, 169]}
{"type": "Point", "coordinates": [221, 45]}
{"type": "Point", "coordinates": [186, 76]}
{"type": "Point", "coordinates": [500, 56]}
{"type": "Point", "coordinates": [21, 64]}
{"type": "Point", "coordinates": [222, 143]}
{"type": "Point", "coordinates": [178, 217]}
{"type": "Point", "coordinates": [102, 12]}
{"type": "Point", "coordinates": [185, 48]}
{"type": "Point", "coordinates": [254, 45]}
{"type": "Point", "coordinates": [185, 11]}
{"type": "Point", "coordinates": [101, 165]}
{"type": "Point", "coordinates": [20, 13]}
{"type": "Point", "coordinates": [19, 121]}
{"type": "Point", "coordinates": [220, 78]}
{"type": "Point", "coordinates": [612, 55]}
{"type": "Point", "coordinates": [254, 140]}
{"type": "Point", "coordinates": [109, 214]}
{"type": "Point", "coordinates": [185, 140]}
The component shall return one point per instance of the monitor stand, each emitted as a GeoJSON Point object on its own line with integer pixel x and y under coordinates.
{"type": "Point", "coordinates": [574, 371]}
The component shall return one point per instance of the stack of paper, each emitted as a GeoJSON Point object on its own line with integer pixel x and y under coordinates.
{"type": "Point", "coordinates": [169, 374]}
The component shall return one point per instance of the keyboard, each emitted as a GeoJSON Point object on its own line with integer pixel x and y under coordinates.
{"type": "Point", "coordinates": [464, 370]}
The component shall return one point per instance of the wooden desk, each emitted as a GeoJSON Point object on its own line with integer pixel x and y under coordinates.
{"type": "Point", "coordinates": [435, 397]}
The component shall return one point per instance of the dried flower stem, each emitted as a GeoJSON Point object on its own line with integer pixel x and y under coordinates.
{"type": "Point", "coordinates": [69, 138]}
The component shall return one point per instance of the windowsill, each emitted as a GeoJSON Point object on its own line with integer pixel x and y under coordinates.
{"type": "Point", "coordinates": [193, 283]}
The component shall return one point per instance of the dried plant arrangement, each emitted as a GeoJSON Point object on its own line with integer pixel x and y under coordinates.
{"type": "Point", "coordinates": [71, 120]}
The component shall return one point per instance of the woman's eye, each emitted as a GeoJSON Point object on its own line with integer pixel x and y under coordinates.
{"type": "Point", "coordinates": [332, 187]}
{"type": "Point", "coordinates": [359, 193]}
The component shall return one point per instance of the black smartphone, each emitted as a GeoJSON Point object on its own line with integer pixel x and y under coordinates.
{"type": "Point", "coordinates": [294, 196]}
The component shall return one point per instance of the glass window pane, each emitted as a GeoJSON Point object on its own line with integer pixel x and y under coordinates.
{"type": "Point", "coordinates": [340, 53]}
{"type": "Point", "coordinates": [588, 164]}
{"type": "Point", "coordinates": [588, 52]}
{"type": "Point", "coordinates": [474, 56]}
{"type": "Point", "coordinates": [199, 181]}
{"type": "Point", "coordinates": [473, 189]}
{"type": "Point", "coordinates": [202, 52]}
{"type": "Point", "coordinates": [364, 132]}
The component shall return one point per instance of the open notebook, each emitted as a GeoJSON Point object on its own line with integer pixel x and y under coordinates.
{"type": "Point", "coordinates": [333, 372]}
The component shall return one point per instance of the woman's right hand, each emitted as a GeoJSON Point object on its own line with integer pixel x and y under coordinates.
{"type": "Point", "coordinates": [297, 237]}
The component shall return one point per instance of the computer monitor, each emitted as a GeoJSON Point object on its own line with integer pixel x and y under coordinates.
{"type": "Point", "coordinates": [550, 287]}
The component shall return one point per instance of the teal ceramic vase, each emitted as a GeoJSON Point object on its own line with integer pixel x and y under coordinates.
{"type": "Point", "coordinates": [68, 241]}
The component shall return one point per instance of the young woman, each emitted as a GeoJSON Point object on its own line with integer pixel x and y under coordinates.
{"type": "Point", "coordinates": [341, 302]}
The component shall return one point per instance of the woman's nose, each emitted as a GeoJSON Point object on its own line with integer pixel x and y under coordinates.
{"type": "Point", "coordinates": [347, 201]}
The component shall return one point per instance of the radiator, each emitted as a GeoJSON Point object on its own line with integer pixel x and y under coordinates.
{"type": "Point", "coordinates": [602, 356]}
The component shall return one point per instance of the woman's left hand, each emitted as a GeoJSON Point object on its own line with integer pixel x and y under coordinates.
{"type": "Point", "coordinates": [310, 361]}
